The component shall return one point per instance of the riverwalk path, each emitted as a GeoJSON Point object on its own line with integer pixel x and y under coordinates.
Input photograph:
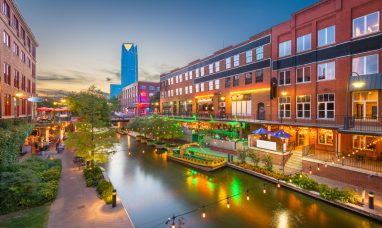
{"type": "Point", "coordinates": [79, 206]}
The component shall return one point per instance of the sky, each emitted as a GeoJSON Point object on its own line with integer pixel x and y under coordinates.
{"type": "Point", "coordinates": [80, 40]}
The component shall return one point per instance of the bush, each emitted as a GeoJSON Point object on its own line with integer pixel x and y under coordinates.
{"type": "Point", "coordinates": [27, 184]}
{"type": "Point", "coordinates": [105, 190]}
{"type": "Point", "coordinates": [305, 182]}
{"type": "Point", "coordinates": [255, 158]}
{"type": "Point", "coordinates": [268, 162]}
{"type": "Point", "coordinates": [242, 154]}
{"type": "Point", "coordinates": [92, 176]}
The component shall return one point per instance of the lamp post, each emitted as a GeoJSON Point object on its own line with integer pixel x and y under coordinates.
{"type": "Point", "coordinates": [356, 84]}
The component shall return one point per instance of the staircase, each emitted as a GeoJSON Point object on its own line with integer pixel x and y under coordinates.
{"type": "Point", "coordinates": [294, 163]}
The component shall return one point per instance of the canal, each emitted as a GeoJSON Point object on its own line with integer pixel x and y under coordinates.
{"type": "Point", "coordinates": [153, 189]}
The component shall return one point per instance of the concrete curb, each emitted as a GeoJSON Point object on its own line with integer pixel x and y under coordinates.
{"type": "Point", "coordinates": [349, 207]}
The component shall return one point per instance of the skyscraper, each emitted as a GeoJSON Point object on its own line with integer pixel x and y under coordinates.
{"type": "Point", "coordinates": [129, 68]}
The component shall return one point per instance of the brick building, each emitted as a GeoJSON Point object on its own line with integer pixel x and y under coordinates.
{"type": "Point", "coordinates": [136, 97]}
{"type": "Point", "coordinates": [317, 76]}
{"type": "Point", "coordinates": [17, 63]}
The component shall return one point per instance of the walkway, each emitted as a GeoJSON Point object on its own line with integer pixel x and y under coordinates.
{"type": "Point", "coordinates": [79, 206]}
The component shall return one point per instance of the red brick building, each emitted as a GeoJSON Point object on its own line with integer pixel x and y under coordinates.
{"type": "Point", "coordinates": [139, 98]}
{"type": "Point", "coordinates": [317, 76]}
{"type": "Point", "coordinates": [17, 63]}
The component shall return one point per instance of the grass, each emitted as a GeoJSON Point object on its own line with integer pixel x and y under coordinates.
{"type": "Point", "coordinates": [36, 217]}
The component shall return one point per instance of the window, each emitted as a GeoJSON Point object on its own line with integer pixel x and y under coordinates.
{"type": "Point", "coordinates": [180, 77]}
{"type": "Point", "coordinates": [172, 92]}
{"type": "Point", "coordinates": [363, 142]}
{"type": "Point", "coordinates": [210, 68]}
{"type": "Point", "coordinates": [259, 53]}
{"type": "Point", "coordinates": [16, 79]}
{"type": "Point", "coordinates": [217, 84]}
{"type": "Point", "coordinates": [365, 104]}
{"type": "Point", "coordinates": [284, 78]}
{"type": "Point", "coordinates": [210, 85]}
{"type": "Point", "coordinates": [236, 60]}
{"type": "Point", "coordinates": [303, 106]}
{"type": "Point", "coordinates": [190, 88]}
{"type": "Point", "coordinates": [217, 66]}
{"type": "Point", "coordinates": [284, 107]}
{"type": "Point", "coordinates": [325, 106]}
{"type": "Point", "coordinates": [327, 36]}
{"type": "Point", "coordinates": [202, 87]}
{"type": "Point", "coordinates": [304, 42]}
{"type": "Point", "coordinates": [202, 71]}
{"type": "Point", "coordinates": [366, 24]}
{"type": "Point", "coordinates": [228, 63]}
{"type": "Point", "coordinates": [285, 48]}
{"type": "Point", "coordinates": [15, 24]}
{"type": "Point", "coordinates": [326, 71]}
{"type": "Point", "coordinates": [228, 82]}
{"type": "Point", "coordinates": [15, 49]}
{"type": "Point", "coordinates": [22, 56]}
{"type": "Point", "coordinates": [197, 73]}
{"type": "Point", "coordinates": [176, 79]}
{"type": "Point", "coordinates": [172, 81]}
{"type": "Point", "coordinates": [180, 91]}
{"type": "Point", "coordinates": [7, 105]}
{"type": "Point", "coordinates": [303, 74]}
{"type": "Point", "coordinates": [248, 56]}
{"type": "Point", "coordinates": [186, 90]}
{"type": "Point", "coordinates": [185, 76]}
{"type": "Point", "coordinates": [248, 78]}
{"type": "Point", "coordinates": [366, 64]}
{"type": "Point", "coordinates": [176, 92]}
{"type": "Point", "coordinates": [190, 74]}
{"type": "Point", "coordinates": [235, 80]}
{"type": "Point", "coordinates": [6, 9]}
{"type": "Point", "coordinates": [7, 73]}
{"type": "Point", "coordinates": [325, 137]}
{"type": "Point", "coordinates": [197, 88]}
{"type": "Point", "coordinates": [6, 39]}
{"type": "Point", "coordinates": [259, 76]}
{"type": "Point", "coordinates": [143, 87]}
{"type": "Point", "coordinates": [151, 88]}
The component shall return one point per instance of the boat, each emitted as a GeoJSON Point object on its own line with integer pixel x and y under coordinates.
{"type": "Point", "coordinates": [199, 160]}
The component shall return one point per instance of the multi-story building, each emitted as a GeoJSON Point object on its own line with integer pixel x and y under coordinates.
{"type": "Point", "coordinates": [317, 76]}
{"type": "Point", "coordinates": [139, 98]}
{"type": "Point", "coordinates": [17, 63]}
{"type": "Point", "coordinates": [129, 68]}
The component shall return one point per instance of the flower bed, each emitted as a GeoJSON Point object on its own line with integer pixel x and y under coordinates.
{"type": "Point", "coordinates": [94, 178]}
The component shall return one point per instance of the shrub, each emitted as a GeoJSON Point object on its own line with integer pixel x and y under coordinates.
{"type": "Point", "coordinates": [255, 158]}
{"type": "Point", "coordinates": [51, 174]}
{"type": "Point", "coordinates": [105, 190]}
{"type": "Point", "coordinates": [242, 154]}
{"type": "Point", "coordinates": [92, 176]}
{"type": "Point", "coordinates": [305, 182]}
{"type": "Point", "coordinates": [268, 162]}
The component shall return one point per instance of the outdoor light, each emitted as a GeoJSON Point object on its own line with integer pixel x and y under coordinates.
{"type": "Point", "coordinates": [143, 151]}
{"type": "Point", "coordinates": [290, 180]}
{"type": "Point", "coordinates": [173, 224]}
{"type": "Point", "coordinates": [19, 94]}
{"type": "Point", "coordinates": [204, 213]}
{"type": "Point", "coordinates": [228, 205]}
{"type": "Point", "coordinates": [264, 190]}
{"type": "Point", "coordinates": [300, 175]}
{"type": "Point", "coordinates": [326, 165]}
{"type": "Point", "coordinates": [129, 153]}
{"type": "Point", "coordinates": [247, 195]}
{"type": "Point", "coordinates": [278, 184]}
{"type": "Point", "coordinates": [284, 93]}
{"type": "Point", "coordinates": [318, 167]}
{"type": "Point", "coordinates": [358, 84]}
{"type": "Point", "coordinates": [310, 170]}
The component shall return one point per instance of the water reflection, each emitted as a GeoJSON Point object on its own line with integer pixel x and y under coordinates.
{"type": "Point", "coordinates": [153, 189]}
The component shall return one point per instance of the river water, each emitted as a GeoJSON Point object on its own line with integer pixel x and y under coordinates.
{"type": "Point", "coordinates": [153, 189]}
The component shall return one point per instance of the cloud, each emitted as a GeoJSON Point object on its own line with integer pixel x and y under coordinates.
{"type": "Point", "coordinates": [52, 92]}
{"type": "Point", "coordinates": [114, 73]}
{"type": "Point", "coordinates": [58, 77]}
{"type": "Point", "coordinates": [145, 75]}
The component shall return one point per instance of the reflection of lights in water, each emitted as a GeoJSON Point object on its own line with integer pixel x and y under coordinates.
{"type": "Point", "coordinates": [282, 219]}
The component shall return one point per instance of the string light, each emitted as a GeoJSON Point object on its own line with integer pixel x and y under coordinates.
{"type": "Point", "coordinates": [318, 167]}
{"type": "Point", "coordinates": [278, 184]}
{"type": "Point", "coordinates": [143, 151]}
{"type": "Point", "coordinates": [310, 170]}
{"type": "Point", "coordinates": [228, 205]}
{"type": "Point", "coordinates": [204, 213]}
{"type": "Point", "coordinates": [247, 195]}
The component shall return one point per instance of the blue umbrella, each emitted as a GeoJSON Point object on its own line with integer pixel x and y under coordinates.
{"type": "Point", "coordinates": [35, 99]}
{"type": "Point", "coordinates": [281, 134]}
{"type": "Point", "coordinates": [260, 131]}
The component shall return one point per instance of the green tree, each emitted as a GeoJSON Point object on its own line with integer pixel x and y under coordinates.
{"type": "Point", "coordinates": [93, 139]}
{"type": "Point", "coordinates": [114, 104]}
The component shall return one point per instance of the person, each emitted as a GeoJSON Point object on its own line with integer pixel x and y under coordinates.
{"type": "Point", "coordinates": [57, 146]}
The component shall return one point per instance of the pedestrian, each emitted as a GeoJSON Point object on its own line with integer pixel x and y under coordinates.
{"type": "Point", "coordinates": [57, 146]}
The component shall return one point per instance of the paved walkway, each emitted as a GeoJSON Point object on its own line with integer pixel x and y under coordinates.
{"type": "Point", "coordinates": [79, 206]}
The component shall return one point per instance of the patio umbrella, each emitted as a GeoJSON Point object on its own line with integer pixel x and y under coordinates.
{"type": "Point", "coordinates": [44, 109]}
{"type": "Point", "coordinates": [281, 134]}
{"type": "Point", "coordinates": [261, 131]}
{"type": "Point", "coordinates": [35, 99]}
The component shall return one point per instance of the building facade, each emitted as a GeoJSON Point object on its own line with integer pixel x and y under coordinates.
{"type": "Point", "coordinates": [129, 68]}
{"type": "Point", "coordinates": [139, 98]}
{"type": "Point", "coordinates": [316, 76]}
{"type": "Point", "coordinates": [18, 63]}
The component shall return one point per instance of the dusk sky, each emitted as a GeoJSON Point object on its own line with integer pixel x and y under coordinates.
{"type": "Point", "coordinates": [80, 40]}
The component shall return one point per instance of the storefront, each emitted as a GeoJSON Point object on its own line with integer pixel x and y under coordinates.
{"type": "Point", "coordinates": [205, 105]}
{"type": "Point", "coordinates": [241, 105]}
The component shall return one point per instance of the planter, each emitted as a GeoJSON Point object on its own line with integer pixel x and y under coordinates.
{"type": "Point", "coordinates": [138, 138]}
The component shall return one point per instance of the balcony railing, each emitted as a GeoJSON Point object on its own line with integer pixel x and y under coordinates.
{"type": "Point", "coordinates": [343, 123]}
{"type": "Point", "coordinates": [357, 160]}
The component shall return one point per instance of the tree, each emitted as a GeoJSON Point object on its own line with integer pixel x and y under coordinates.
{"type": "Point", "coordinates": [114, 104]}
{"type": "Point", "coordinates": [93, 139]}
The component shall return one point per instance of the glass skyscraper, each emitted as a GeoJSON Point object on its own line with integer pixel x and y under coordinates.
{"type": "Point", "coordinates": [129, 68]}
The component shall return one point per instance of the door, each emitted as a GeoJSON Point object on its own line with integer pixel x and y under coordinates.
{"type": "Point", "coordinates": [260, 111]}
{"type": "Point", "coordinates": [358, 111]}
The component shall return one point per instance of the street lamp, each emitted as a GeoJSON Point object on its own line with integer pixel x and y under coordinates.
{"type": "Point", "coordinates": [356, 84]}
{"type": "Point", "coordinates": [19, 94]}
